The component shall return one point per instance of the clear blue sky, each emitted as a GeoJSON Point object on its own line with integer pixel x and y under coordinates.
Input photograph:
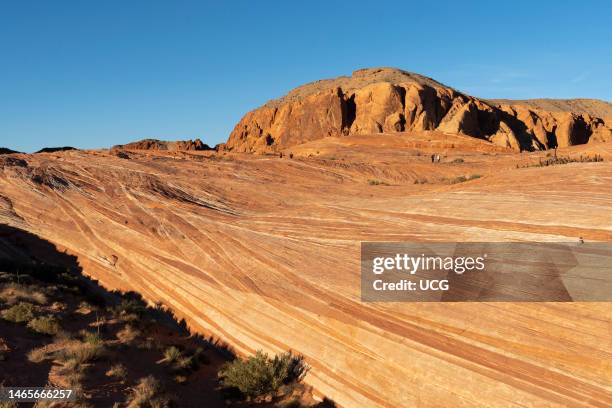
{"type": "Point", "coordinates": [96, 73]}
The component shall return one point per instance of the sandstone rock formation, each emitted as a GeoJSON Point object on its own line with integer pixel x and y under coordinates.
{"type": "Point", "coordinates": [384, 100]}
{"type": "Point", "coordinates": [4, 150]}
{"type": "Point", "coordinates": [55, 149]}
{"type": "Point", "coordinates": [154, 144]}
{"type": "Point", "coordinates": [264, 253]}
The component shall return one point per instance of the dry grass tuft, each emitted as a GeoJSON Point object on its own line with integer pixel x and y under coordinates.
{"type": "Point", "coordinates": [45, 325]}
{"type": "Point", "coordinates": [118, 371]}
{"type": "Point", "coordinates": [128, 334]}
{"type": "Point", "coordinates": [149, 393]}
{"type": "Point", "coordinates": [15, 292]}
{"type": "Point", "coordinates": [80, 353]}
{"type": "Point", "coordinates": [172, 354]}
{"type": "Point", "coordinates": [22, 312]}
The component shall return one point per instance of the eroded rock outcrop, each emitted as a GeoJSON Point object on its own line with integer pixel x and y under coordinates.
{"type": "Point", "coordinates": [56, 149]}
{"type": "Point", "coordinates": [154, 144]}
{"type": "Point", "coordinates": [4, 150]}
{"type": "Point", "coordinates": [384, 100]}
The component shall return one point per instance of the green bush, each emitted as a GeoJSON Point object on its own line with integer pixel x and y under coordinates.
{"type": "Point", "coordinates": [20, 313]}
{"type": "Point", "coordinates": [260, 374]}
{"type": "Point", "coordinates": [45, 325]}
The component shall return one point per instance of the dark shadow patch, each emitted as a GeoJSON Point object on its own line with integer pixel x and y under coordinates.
{"type": "Point", "coordinates": [349, 112]}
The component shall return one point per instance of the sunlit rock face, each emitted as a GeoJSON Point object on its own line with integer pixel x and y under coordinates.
{"type": "Point", "coordinates": [388, 100]}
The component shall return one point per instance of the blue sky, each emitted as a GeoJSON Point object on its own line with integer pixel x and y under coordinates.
{"type": "Point", "coordinates": [93, 74]}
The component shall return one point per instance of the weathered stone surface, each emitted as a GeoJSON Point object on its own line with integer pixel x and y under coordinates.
{"type": "Point", "coordinates": [264, 254]}
{"type": "Point", "coordinates": [154, 144]}
{"type": "Point", "coordinates": [505, 137]}
{"type": "Point", "coordinates": [387, 100]}
{"type": "Point", "coordinates": [379, 108]}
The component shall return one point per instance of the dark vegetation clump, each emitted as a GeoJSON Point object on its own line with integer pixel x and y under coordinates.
{"type": "Point", "coordinates": [60, 328]}
{"type": "Point", "coordinates": [376, 182]}
{"type": "Point", "coordinates": [45, 325]}
{"type": "Point", "coordinates": [261, 374]}
{"type": "Point", "coordinates": [22, 312]}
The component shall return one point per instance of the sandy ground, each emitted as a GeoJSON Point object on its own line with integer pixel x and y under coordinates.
{"type": "Point", "coordinates": [263, 252]}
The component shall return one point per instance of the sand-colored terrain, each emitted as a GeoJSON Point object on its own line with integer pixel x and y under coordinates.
{"type": "Point", "coordinates": [263, 252]}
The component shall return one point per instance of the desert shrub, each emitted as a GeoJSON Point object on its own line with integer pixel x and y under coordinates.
{"type": "Point", "coordinates": [81, 353]}
{"type": "Point", "coordinates": [58, 306]}
{"type": "Point", "coordinates": [260, 374]}
{"type": "Point", "coordinates": [458, 160]}
{"type": "Point", "coordinates": [74, 376]}
{"type": "Point", "coordinates": [462, 179]}
{"type": "Point", "coordinates": [172, 354]}
{"type": "Point", "coordinates": [149, 393]}
{"type": "Point", "coordinates": [118, 371]}
{"type": "Point", "coordinates": [557, 160]}
{"type": "Point", "coordinates": [129, 309]}
{"type": "Point", "coordinates": [37, 355]}
{"type": "Point", "coordinates": [128, 334]}
{"type": "Point", "coordinates": [92, 338]}
{"type": "Point", "coordinates": [375, 182]}
{"type": "Point", "coordinates": [180, 379]}
{"type": "Point", "coordinates": [14, 292]}
{"type": "Point", "coordinates": [20, 313]}
{"type": "Point", "coordinates": [185, 363]}
{"type": "Point", "coordinates": [45, 325]}
{"type": "Point", "coordinates": [420, 181]}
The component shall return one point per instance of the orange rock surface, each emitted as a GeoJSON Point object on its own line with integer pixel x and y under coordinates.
{"type": "Point", "coordinates": [378, 100]}
{"type": "Point", "coordinates": [263, 252]}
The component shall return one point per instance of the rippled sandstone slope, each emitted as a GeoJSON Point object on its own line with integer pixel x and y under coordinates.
{"type": "Point", "coordinates": [263, 252]}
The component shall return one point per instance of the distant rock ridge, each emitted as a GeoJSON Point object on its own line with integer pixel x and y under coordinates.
{"type": "Point", "coordinates": [154, 144]}
{"type": "Point", "coordinates": [4, 150]}
{"type": "Point", "coordinates": [383, 100]}
{"type": "Point", "coordinates": [56, 149]}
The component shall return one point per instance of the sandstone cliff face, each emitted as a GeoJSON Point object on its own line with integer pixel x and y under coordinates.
{"type": "Point", "coordinates": [154, 144]}
{"type": "Point", "coordinates": [384, 100]}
